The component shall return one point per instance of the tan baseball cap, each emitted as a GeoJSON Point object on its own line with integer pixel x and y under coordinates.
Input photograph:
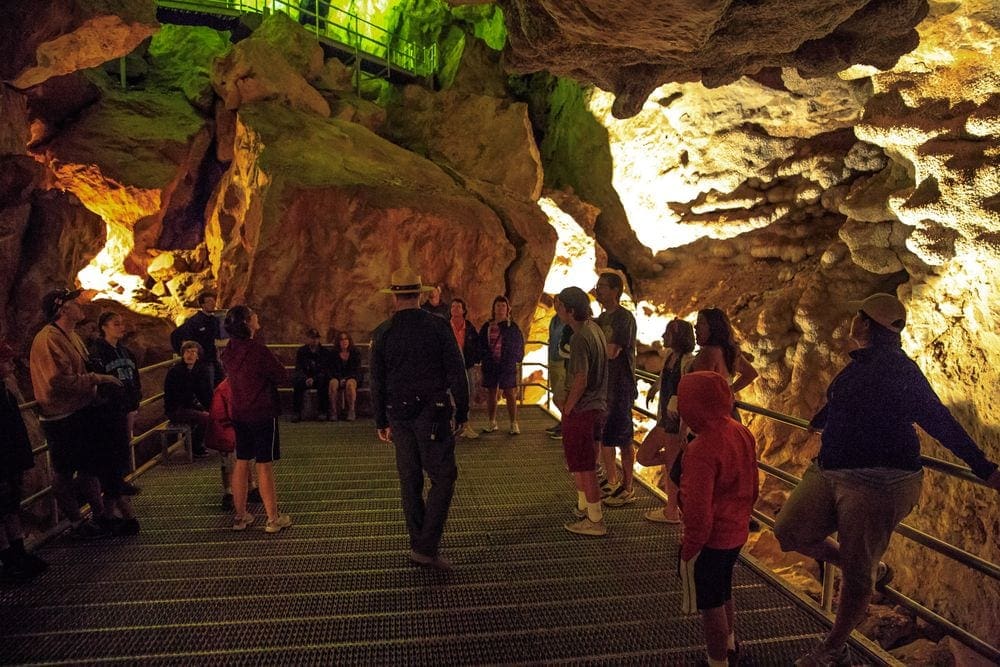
{"type": "Point", "coordinates": [884, 309]}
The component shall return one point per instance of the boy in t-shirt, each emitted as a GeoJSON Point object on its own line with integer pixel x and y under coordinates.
{"type": "Point", "coordinates": [719, 489]}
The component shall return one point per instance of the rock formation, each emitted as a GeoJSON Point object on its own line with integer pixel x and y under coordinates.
{"type": "Point", "coordinates": [742, 155]}
{"type": "Point", "coordinates": [630, 47]}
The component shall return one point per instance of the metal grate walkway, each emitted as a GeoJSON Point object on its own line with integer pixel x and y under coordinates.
{"type": "Point", "coordinates": [336, 587]}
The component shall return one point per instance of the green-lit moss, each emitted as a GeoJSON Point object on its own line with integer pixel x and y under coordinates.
{"type": "Point", "coordinates": [181, 59]}
{"type": "Point", "coordinates": [487, 23]}
{"type": "Point", "coordinates": [450, 55]}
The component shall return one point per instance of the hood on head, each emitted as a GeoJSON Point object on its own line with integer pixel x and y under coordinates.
{"type": "Point", "coordinates": [703, 397]}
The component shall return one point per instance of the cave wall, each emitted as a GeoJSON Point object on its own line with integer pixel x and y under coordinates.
{"type": "Point", "coordinates": [741, 155]}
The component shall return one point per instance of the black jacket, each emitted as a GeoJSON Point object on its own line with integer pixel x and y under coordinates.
{"type": "Point", "coordinates": [121, 363]}
{"type": "Point", "coordinates": [183, 388]}
{"type": "Point", "coordinates": [414, 354]}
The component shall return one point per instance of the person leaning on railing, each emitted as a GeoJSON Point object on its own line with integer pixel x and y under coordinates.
{"type": "Point", "coordinates": [867, 476]}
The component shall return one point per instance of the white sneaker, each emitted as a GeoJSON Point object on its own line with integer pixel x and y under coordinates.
{"type": "Point", "coordinates": [587, 527]}
{"type": "Point", "coordinates": [276, 526]}
{"type": "Point", "coordinates": [243, 522]}
{"type": "Point", "coordinates": [515, 429]}
{"type": "Point", "coordinates": [469, 433]}
{"type": "Point", "coordinates": [491, 428]}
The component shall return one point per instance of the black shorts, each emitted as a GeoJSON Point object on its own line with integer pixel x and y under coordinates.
{"type": "Point", "coordinates": [257, 440]}
{"type": "Point", "coordinates": [618, 427]}
{"type": "Point", "coordinates": [712, 578]}
{"type": "Point", "coordinates": [10, 493]}
{"type": "Point", "coordinates": [72, 440]}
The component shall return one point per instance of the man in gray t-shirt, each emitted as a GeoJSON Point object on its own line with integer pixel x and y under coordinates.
{"type": "Point", "coordinates": [584, 409]}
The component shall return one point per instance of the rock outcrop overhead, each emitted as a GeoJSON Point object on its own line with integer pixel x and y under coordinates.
{"type": "Point", "coordinates": [631, 47]}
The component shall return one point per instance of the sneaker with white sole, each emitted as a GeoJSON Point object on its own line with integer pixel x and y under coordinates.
{"type": "Point", "coordinates": [822, 656]}
{"type": "Point", "coordinates": [620, 496]}
{"type": "Point", "coordinates": [587, 527]}
{"type": "Point", "coordinates": [579, 513]}
{"type": "Point", "coordinates": [276, 526]}
{"type": "Point", "coordinates": [657, 516]}
{"type": "Point", "coordinates": [243, 522]}
{"type": "Point", "coordinates": [490, 428]}
{"type": "Point", "coordinates": [515, 429]}
{"type": "Point", "coordinates": [468, 433]}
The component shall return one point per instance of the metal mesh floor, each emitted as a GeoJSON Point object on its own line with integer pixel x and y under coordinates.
{"type": "Point", "coordinates": [336, 587]}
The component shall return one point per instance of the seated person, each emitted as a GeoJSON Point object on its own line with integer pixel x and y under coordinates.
{"type": "Point", "coordinates": [311, 372]}
{"type": "Point", "coordinates": [345, 374]}
{"type": "Point", "coordinates": [187, 395]}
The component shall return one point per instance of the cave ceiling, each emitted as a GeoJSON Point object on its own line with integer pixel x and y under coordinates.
{"type": "Point", "coordinates": [631, 47]}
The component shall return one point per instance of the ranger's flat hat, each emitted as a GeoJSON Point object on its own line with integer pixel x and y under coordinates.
{"type": "Point", "coordinates": [405, 281]}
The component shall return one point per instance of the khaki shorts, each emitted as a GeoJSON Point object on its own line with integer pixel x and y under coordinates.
{"type": "Point", "coordinates": [863, 506]}
{"type": "Point", "coordinates": [557, 381]}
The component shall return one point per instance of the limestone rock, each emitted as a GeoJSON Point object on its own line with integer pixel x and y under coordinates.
{"type": "Point", "coordinates": [452, 129]}
{"type": "Point", "coordinates": [352, 109]}
{"type": "Point", "coordinates": [255, 70]}
{"type": "Point", "coordinates": [60, 238]}
{"type": "Point", "coordinates": [181, 59]}
{"type": "Point", "coordinates": [56, 101]}
{"type": "Point", "coordinates": [57, 37]}
{"type": "Point", "coordinates": [314, 215]}
{"type": "Point", "coordinates": [132, 158]}
{"type": "Point", "coordinates": [630, 48]}
{"type": "Point", "coordinates": [888, 625]}
{"type": "Point", "coordinates": [14, 132]}
{"type": "Point", "coordinates": [870, 246]}
{"type": "Point", "coordinates": [298, 47]}
{"type": "Point", "coordinates": [334, 76]}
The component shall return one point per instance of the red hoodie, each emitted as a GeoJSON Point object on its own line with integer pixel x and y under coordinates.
{"type": "Point", "coordinates": [221, 436]}
{"type": "Point", "coordinates": [254, 374]}
{"type": "Point", "coordinates": [719, 479]}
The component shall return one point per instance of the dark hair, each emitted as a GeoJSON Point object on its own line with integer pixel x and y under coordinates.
{"type": "Point", "coordinates": [350, 340]}
{"type": "Point", "coordinates": [205, 296]}
{"type": "Point", "coordinates": [681, 336]}
{"type": "Point", "coordinates": [575, 301]}
{"type": "Point", "coordinates": [614, 281]}
{"type": "Point", "coordinates": [878, 335]}
{"type": "Point", "coordinates": [192, 345]}
{"type": "Point", "coordinates": [238, 322]}
{"type": "Point", "coordinates": [465, 308]}
{"type": "Point", "coordinates": [500, 298]}
{"type": "Point", "coordinates": [105, 317]}
{"type": "Point", "coordinates": [720, 334]}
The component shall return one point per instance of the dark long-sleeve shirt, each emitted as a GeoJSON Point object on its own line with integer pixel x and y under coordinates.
{"type": "Point", "coordinates": [254, 374]}
{"type": "Point", "coordinates": [871, 407]}
{"type": "Point", "coordinates": [312, 363]}
{"type": "Point", "coordinates": [187, 389]}
{"type": "Point", "coordinates": [15, 447]}
{"type": "Point", "coordinates": [343, 370]}
{"type": "Point", "coordinates": [414, 354]}
{"type": "Point", "coordinates": [204, 329]}
{"type": "Point", "coordinates": [119, 361]}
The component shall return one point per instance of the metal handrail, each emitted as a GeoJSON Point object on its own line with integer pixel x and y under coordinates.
{"type": "Point", "coordinates": [399, 52]}
{"type": "Point", "coordinates": [935, 544]}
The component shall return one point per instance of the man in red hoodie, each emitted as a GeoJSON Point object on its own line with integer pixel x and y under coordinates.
{"type": "Point", "coordinates": [718, 492]}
